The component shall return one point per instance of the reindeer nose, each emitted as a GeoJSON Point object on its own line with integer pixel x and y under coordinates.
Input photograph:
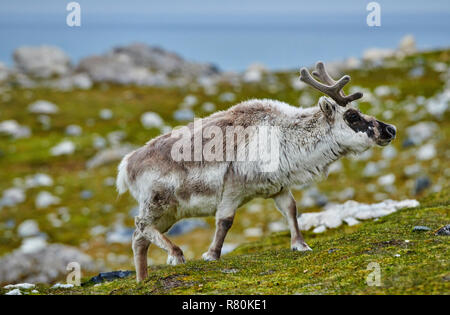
{"type": "Point", "coordinates": [391, 131]}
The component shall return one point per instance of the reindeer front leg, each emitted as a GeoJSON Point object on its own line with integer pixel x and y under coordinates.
{"type": "Point", "coordinates": [286, 204]}
{"type": "Point", "coordinates": [224, 221]}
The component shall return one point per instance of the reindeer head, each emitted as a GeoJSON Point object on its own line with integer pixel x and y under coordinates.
{"type": "Point", "coordinates": [355, 131]}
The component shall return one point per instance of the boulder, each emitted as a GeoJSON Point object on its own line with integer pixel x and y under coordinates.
{"type": "Point", "coordinates": [42, 61]}
{"type": "Point", "coordinates": [45, 265]}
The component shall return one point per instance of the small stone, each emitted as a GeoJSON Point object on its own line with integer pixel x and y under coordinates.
{"type": "Point", "coordinates": [28, 228]}
{"type": "Point", "coordinates": [63, 148]}
{"type": "Point", "coordinates": [13, 129]}
{"type": "Point", "coordinates": [12, 197]}
{"type": "Point", "coordinates": [232, 270]}
{"type": "Point", "coordinates": [62, 286]}
{"type": "Point", "coordinates": [45, 199]}
{"type": "Point", "coordinates": [106, 114]}
{"type": "Point", "coordinates": [421, 184]}
{"type": "Point", "coordinates": [110, 276]}
{"type": "Point", "coordinates": [208, 107]}
{"type": "Point", "coordinates": [253, 232]}
{"type": "Point", "coordinates": [426, 152]}
{"type": "Point", "coordinates": [320, 229]}
{"type": "Point", "coordinates": [14, 292]}
{"type": "Point", "coordinates": [184, 115]}
{"type": "Point", "coordinates": [33, 244]}
{"type": "Point", "coordinates": [86, 194]}
{"type": "Point", "coordinates": [351, 221]}
{"type": "Point", "coordinates": [421, 228]}
{"type": "Point", "coordinates": [43, 107]}
{"type": "Point", "coordinates": [151, 120]}
{"type": "Point", "coordinates": [444, 231]}
{"type": "Point", "coordinates": [386, 180]}
{"type": "Point", "coordinates": [74, 130]}
{"type": "Point", "coordinates": [23, 286]}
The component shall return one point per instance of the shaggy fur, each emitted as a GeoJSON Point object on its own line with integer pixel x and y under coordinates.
{"type": "Point", "coordinates": [310, 139]}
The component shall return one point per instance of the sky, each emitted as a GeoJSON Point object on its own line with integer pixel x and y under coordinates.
{"type": "Point", "coordinates": [231, 33]}
{"type": "Point", "coordinates": [216, 7]}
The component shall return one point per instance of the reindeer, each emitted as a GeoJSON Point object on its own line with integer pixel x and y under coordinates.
{"type": "Point", "coordinates": [309, 140]}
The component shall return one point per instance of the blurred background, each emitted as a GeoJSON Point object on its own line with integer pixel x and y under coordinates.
{"type": "Point", "coordinates": [74, 100]}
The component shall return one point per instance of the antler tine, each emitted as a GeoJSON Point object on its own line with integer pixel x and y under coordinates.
{"type": "Point", "coordinates": [333, 89]}
{"type": "Point", "coordinates": [322, 74]}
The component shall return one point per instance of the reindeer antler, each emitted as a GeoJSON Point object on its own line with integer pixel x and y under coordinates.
{"type": "Point", "coordinates": [333, 89]}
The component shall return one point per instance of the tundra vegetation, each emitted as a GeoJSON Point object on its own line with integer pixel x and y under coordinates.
{"type": "Point", "coordinates": [81, 207]}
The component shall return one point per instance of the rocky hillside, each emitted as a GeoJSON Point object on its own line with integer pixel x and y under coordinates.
{"type": "Point", "coordinates": [60, 143]}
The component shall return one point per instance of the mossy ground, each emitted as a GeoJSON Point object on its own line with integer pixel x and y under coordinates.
{"type": "Point", "coordinates": [410, 262]}
{"type": "Point", "coordinates": [22, 157]}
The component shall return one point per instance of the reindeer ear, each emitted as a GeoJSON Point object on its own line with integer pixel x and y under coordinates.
{"type": "Point", "coordinates": [328, 107]}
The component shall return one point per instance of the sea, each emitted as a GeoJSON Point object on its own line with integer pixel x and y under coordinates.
{"type": "Point", "coordinates": [232, 43]}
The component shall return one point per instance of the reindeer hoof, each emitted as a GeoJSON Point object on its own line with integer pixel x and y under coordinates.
{"type": "Point", "coordinates": [209, 257]}
{"type": "Point", "coordinates": [300, 247]}
{"type": "Point", "coordinates": [175, 260]}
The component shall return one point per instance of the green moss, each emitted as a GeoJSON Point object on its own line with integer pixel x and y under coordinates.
{"type": "Point", "coordinates": [410, 262]}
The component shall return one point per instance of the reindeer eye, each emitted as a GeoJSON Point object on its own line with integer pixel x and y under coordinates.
{"type": "Point", "coordinates": [352, 116]}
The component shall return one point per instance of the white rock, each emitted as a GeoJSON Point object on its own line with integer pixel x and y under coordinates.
{"type": "Point", "coordinates": [12, 128]}
{"type": "Point", "coordinates": [407, 45]}
{"type": "Point", "coordinates": [45, 199]}
{"type": "Point", "coordinates": [386, 180]}
{"type": "Point", "coordinates": [76, 81]}
{"type": "Point", "coordinates": [12, 197]}
{"type": "Point", "coordinates": [65, 147]}
{"type": "Point", "coordinates": [42, 61]}
{"type": "Point", "coordinates": [254, 73]}
{"type": "Point", "coordinates": [184, 115]}
{"type": "Point", "coordinates": [43, 107]}
{"type": "Point", "coordinates": [426, 152]}
{"type": "Point", "coordinates": [74, 130]}
{"type": "Point", "coordinates": [389, 152]}
{"type": "Point", "coordinates": [4, 72]}
{"type": "Point", "coordinates": [253, 232]}
{"type": "Point", "coordinates": [277, 226]}
{"type": "Point", "coordinates": [227, 97]}
{"type": "Point", "coordinates": [38, 180]}
{"type": "Point", "coordinates": [422, 131]}
{"type": "Point", "coordinates": [411, 170]}
{"type": "Point", "coordinates": [109, 155]}
{"type": "Point", "coordinates": [320, 229]}
{"type": "Point", "coordinates": [382, 91]}
{"type": "Point", "coordinates": [351, 221]}
{"type": "Point", "coordinates": [24, 286]}
{"type": "Point", "coordinates": [189, 101]}
{"type": "Point", "coordinates": [228, 248]}
{"type": "Point", "coordinates": [14, 292]}
{"type": "Point", "coordinates": [347, 193]}
{"type": "Point", "coordinates": [28, 228]}
{"type": "Point", "coordinates": [377, 54]}
{"type": "Point", "coordinates": [106, 114]}
{"type": "Point", "coordinates": [208, 107]}
{"type": "Point", "coordinates": [371, 169]}
{"type": "Point", "coordinates": [438, 105]}
{"type": "Point", "coordinates": [151, 120]}
{"type": "Point", "coordinates": [350, 212]}
{"type": "Point", "coordinates": [33, 244]}
{"type": "Point", "coordinates": [62, 286]}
